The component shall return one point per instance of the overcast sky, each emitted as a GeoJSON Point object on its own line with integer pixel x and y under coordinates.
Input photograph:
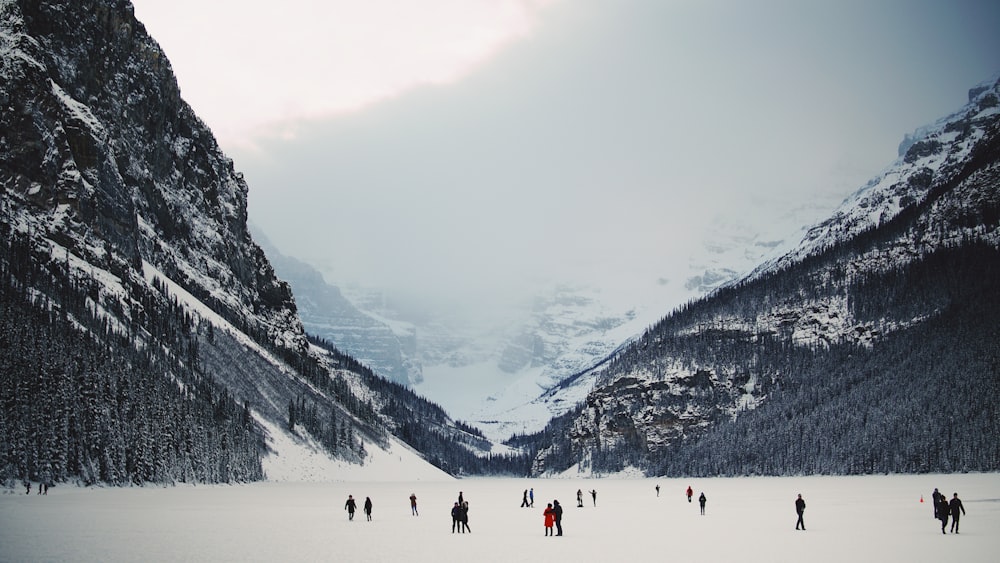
{"type": "Point", "coordinates": [467, 147]}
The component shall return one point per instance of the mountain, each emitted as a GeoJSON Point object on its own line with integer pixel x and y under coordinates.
{"type": "Point", "coordinates": [511, 376]}
{"type": "Point", "coordinates": [327, 314]}
{"type": "Point", "coordinates": [869, 347]}
{"type": "Point", "coordinates": [145, 335]}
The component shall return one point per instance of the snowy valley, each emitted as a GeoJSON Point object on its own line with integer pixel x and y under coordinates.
{"type": "Point", "coordinates": [149, 339]}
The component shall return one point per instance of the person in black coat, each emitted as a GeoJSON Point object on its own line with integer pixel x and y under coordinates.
{"type": "Point", "coordinates": [943, 511]}
{"type": "Point", "coordinates": [557, 509]}
{"type": "Point", "coordinates": [936, 501]}
{"type": "Point", "coordinates": [701, 502]}
{"type": "Point", "coordinates": [800, 508]}
{"type": "Point", "coordinates": [368, 508]}
{"type": "Point", "coordinates": [463, 513]}
{"type": "Point", "coordinates": [350, 506]}
{"type": "Point", "coordinates": [456, 518]}
{"type": "Point", "coordinates": [956, 506]}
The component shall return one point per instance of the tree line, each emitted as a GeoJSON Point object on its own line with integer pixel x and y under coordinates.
{"type": "Point", "coordinates": [80, 401]}
{"type": "Point", "coordinates": [919, 398]}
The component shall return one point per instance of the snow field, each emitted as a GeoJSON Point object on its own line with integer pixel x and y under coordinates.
{"type": "Point", "coordinates": [872, 518]}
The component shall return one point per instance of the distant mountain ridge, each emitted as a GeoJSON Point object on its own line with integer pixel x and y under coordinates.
{"type": "Point", "coordinates": [328, 315]}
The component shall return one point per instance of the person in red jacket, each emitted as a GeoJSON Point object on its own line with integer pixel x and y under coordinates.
{"type": "Point", "coordinates": [690, 493]}
{"type": "Point", "coordinates": [550, 518]}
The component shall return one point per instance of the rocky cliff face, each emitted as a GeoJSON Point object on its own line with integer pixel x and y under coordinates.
{"type": "Point", "coordinates": [101, 158]}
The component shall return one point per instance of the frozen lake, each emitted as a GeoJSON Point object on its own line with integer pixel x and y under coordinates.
{"type": "Point", "coordinates": [876, 518]}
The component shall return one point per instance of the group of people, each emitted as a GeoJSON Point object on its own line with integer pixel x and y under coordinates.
{"type": "Point", "coordinates": [528, 500]}
{"type": "Point", "coordinates": [553, 516]}
{"type": "Point", "coordinates": [702, 499]}
{"type": "Point", "coordinates": [579, 497]}
{"type": "Point", "coordinates": [43, 487]}
{"type": "Point", "coordinates": [351, 506]}
{"type": "Point", "coordinates": [943, 508]}
{"type": "Point", "coordinates": [460, 515]}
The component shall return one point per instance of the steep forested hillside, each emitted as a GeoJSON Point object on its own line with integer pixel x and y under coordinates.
{"type": "Point", "coordinates": [144, 335]}
{"type": "Point", "coordinates": [82, 402]}
{"type": "Point", "coordinates": [871, 348]}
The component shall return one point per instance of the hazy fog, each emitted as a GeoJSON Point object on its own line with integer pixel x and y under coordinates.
{"type": "Point", "coordinates": [593, 141]}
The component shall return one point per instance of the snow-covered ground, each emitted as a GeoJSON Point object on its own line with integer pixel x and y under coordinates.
{"type": "Point", "coordinates": [858, 519]}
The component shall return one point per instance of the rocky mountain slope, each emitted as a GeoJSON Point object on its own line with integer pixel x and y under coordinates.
{"type": "Point", "coordinates": [327, 314]}
{"type": "Point", "coordinates": [831, 357]}
{"type": "Point", "coordinates": [145, 333]}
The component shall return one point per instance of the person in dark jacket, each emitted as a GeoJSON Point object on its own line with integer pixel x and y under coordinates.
{"type": "Point", "coordinates": [936, 501]}
{"type": "Point", "coordinates": [943, 511]}
{"type": "Point", "coordinates": [524, 499]}
{"type": "Point", "coordinates": [701, 502]}
{"type": "Point", "coordinates": [956, 506]}
{"type": "Point", "coordinates": [557, 512]}
{"type": "Point", "coordinates": [413, 504]}
{"type": "Point", "coordinates": [456, 518]}
{"type": "Point", "coordinates": [368, 508]}
{"type": "Point", "coordinates": [464, 516]}
{"type": "Point", "coordinates": [350, 506]}
{"type": "Point", "coordinates": [800, 508]}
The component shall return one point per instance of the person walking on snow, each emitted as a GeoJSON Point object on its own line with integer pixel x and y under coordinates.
{"type": "Point", "coordinates": [593, 495]}
{"type": "Point", "coordinates": [690, 493]}
{"type": "Point", "coordinates": [936, 502]}
{"type": "Point", "coordinates": [657, 490]}
{"type": "Point", "coordinates": [531, 497]}
{"type": "Point", "coordinates": [579, 498]}
{"type": "Point", "coordinates": [524, 499]}
{"type": "Point", "coordinates": [413, 504]}
{"type": "Point", "coordinates": [955, 505]}
{"type": "Point", "coordinates": [701, 502]}
{"type": "Point", "coordinates": [557, 512]}
{"type": "Point", "coordinates": [368, 508]}
{"type": "Point", "coordinates": [800, 508]}
{"type": "Point", "coordinates": [943, 510]}
{"type": "Point", "coordinates": [550, 517]}
{"type": "Point", "coordinates": [350, 506]}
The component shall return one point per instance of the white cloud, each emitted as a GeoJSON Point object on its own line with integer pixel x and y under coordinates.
{"type": "Point", "coordinates": [259, 69]}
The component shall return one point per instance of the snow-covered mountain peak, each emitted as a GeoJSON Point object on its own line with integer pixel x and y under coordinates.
{"type": "Point", "coordinates": [930, 155]}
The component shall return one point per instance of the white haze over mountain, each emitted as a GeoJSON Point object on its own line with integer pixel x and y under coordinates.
{"type": "Point", "coordinates": [603, 145]}
{"type": "Point", "coordinates": [597, 143]}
